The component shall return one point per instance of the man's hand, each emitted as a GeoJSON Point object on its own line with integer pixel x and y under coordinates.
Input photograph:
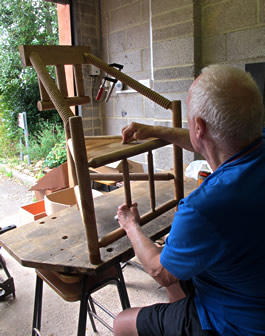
{"type": "Point", "coordinates": [136, 131]}
{"type": "Point", "coordinates": [128, 217]}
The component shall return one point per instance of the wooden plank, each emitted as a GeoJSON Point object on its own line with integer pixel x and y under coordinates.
{"type": "Point", "coordinates": [54, 54]}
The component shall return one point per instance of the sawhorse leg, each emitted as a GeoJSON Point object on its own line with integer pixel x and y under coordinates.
{"type": "Point", "coordinates": [37, 306]}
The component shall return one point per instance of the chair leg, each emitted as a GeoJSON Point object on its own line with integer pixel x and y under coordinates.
{"type": "Point", "coordinates": [37, 305]}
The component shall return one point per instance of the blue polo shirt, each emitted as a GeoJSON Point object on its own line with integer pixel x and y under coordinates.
{"type": "Point", "coordinates": [217, 239]}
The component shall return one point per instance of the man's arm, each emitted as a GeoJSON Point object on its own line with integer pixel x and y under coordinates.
{"type": "Point", "coordinates": [144, 248]}
{"type": "Point", "coordinates": [176, 136]}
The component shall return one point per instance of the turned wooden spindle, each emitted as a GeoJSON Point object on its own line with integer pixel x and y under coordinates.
{"type": "Point", "coordinates": [151, 180]}
{"type": "Point", "coordinates": [126, 181]}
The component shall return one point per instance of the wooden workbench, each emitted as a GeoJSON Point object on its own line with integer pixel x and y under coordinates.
{"type": "Point", "coordinates": [58, 242]}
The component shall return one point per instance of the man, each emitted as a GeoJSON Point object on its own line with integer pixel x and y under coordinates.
{"type": "Point", "coordinates": [213, 262]}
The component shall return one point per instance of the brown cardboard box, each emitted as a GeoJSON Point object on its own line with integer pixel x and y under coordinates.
{"type": "Point", "coordinates": [116, 167]}
{"type": "Point", "coordinates": [59, 200]}
{"type": "Point", "coordinates": [54, 180]}
{"type": "Point", "coordinates": [31, 212]}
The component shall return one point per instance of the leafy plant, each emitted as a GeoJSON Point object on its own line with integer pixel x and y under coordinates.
{"type": "Point", "coordinates": [8, 144]}
{"type": "Point", "coordinates": [22, 22]}
{"type": "Point", "coordinates": [42, 143]}
{"type": "Point", "coordinates": [6, 173]}
{"type": "Point", "coordinates": [57, 156]}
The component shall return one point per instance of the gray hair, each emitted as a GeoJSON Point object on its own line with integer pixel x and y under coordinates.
{"type": "Point", "coordinates": [229, 101]}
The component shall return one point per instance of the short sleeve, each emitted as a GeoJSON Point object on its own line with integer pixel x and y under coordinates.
{"type": "Point", "coordinates": [193, 244]}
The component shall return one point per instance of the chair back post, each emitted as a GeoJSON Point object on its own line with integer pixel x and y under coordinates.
{"type": "Point", "coordinates": [85, 198]}
{"type": "Point", "coordinates": [59, 103]}
{"type": "Point", "coordinates": [55, 95]}
{"type": "Point", "coordinates": [177, 152]}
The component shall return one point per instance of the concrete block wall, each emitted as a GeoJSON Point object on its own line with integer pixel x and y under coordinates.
{"type": "Point", "coordinates": [168, 42]}
{"type": "Point", "coordinates": [153, 40]}
{"type": "Point", "coordinates": [233, 31]}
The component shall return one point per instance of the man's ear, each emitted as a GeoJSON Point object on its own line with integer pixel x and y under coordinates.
{"type": "Point", "coordinates": [200, 127]}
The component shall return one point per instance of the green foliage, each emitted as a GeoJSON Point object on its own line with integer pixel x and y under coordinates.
{"type": "Point", "coordinates": [42, 143]}
{"type": "Point", "coordinates": [23, 22]}
{"type": "Point", "coordinates": [57, 155]}
{"type": "Point", "coordinates": [8, 144]}
{"type": "Point", "coordinates": [7, 173]}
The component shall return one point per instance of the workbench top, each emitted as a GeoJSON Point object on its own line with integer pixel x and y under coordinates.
{"type": "Point", "coordinates": [58, 242]}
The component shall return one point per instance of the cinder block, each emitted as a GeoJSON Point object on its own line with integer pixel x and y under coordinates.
{"type": "Point", "coordinates": [125, 17]}
{"type": "Point", "coordinates": [163, 158]}
{"type": "Point", "coordinates": [138, 37]}
{"type": "Point", "coordinates": [145, 11]}
{"type": "Point", "coordinates": [113, 126]}
{"type": "Point", "coordinates": [149, 108]}
{"type": "Point", "coordinates": [176, 72]}
{"type": "Point", "coordinates": [113, 4]}
{"type": "Point", "coordinates": [208, 2]}
{"type": "Point", "coordinates": [146, 59]}
{"type": "Point", "coordinates": [91, 123]}
{"type": "Point", "coordinates": [164, 123]}
{"type": "Point", "coordinates": [161, 113]}
{"type": "Point", "coordinates": [87, 7]}
{"type": "Point", "coordinates": [246, 44]}
{"type": "Point", "coordinates": [159, 6]}
{"type": "Point", "coordinates": [107, 109]}
{"type": "Point", "coordinates": [141, 75]}
{"type": "Point", "coordinates": [88, 29]}
{"type": "Point", "coordinates": [174, 52]}
{"type": "Point", "coordinates": [92, 132]}
{"type": "Point", "coordinates": [90, 41]}
{"type": "Point", "coordinates": [173, 86]}
{"type": "Point", "coordinates": [146, 121]}
{"type": "Point", "coordinates": [86, 17]}
{"type": "Point", "coordinates": [129, 105]}
{"type": "Point", "coordinates": [182, 29]}
{"type": "Point", "coordinates": [90, 2]}
{"type": "Point", "coordinates": [178, 15]}
{"type": "Point", "coordinates": [117, 42]}
{"type": "Point", "coordinates": [130, 60]}
{"type": "Point", "coordinates": [227, 16]}
{"type": "Point", "coordinates": [214, 49]}
{"type": "Point", "coordinates": [103, 7]}
{"type": "Point", "coordinates": [262, 11]}
{"type": "Point", "coordinates": [188, 157]}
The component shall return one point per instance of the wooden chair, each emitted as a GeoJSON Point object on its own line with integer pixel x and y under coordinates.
{"type": "Point", "coordinates": [97, 151]}
{"type": "Point", "coordinates": [92, 152]}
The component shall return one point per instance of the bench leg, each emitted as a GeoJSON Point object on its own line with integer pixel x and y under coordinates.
{"type": "Point", "coordinates": [122, 289]}
{"type": "Point", "coordinates": [37, 306]}
{"type": "Point", "coordinates": [83, 309]}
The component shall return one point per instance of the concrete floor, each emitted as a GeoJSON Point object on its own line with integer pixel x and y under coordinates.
{"type": "Point", "coordinates": [59, 317]}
